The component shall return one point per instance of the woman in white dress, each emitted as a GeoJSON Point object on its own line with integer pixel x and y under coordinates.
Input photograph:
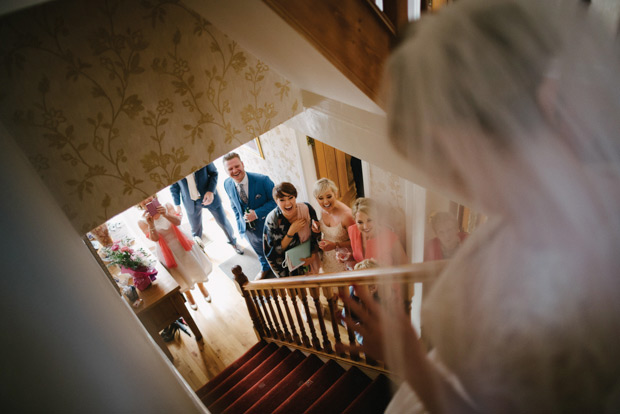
{"type": "Point", "coordinates": [336, 217]}
{"type": "Point", "coordinates": [512, 107]}
{"type": "Point", "coordinates": [187, 264]}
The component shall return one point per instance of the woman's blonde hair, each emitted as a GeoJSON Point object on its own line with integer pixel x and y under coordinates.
{"type": "Point", "coordinates": [441, 217]}
{"type": "Point", "coordinates": [364, 205]}
{"type": "Point", "coordinates": [322, 186]}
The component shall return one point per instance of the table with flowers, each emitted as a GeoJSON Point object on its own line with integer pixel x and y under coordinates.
{"type": "Point", "coordinates": [163, 303]}
{"type": "Point", "coordinates": [160, 301]}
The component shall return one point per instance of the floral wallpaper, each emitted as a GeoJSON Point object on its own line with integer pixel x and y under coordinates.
{"type": "Point", "coordinates": [113, 100]}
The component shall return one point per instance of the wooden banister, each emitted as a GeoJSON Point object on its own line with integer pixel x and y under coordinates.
{"type": "Point", "coordinates": [289, 311]}
{"type": "Point", "coordinates": [353, 35]}
{"type": "Point", "coordinates": [410, 273]}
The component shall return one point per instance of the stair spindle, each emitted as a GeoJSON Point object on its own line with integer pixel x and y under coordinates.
{"type": "Point", "coordinates": [332, 303]}
{"type": "Point", "coordinates": [355, 356]}
{"type": "Point", "coordinates": [261, 312]}
{"type": "Point", "coordinates": [276, 323]}
{"type": "Point", "coordinates": [263, 305]}
{"type": "Point", "coordinates": [304, 337]}
{"type": "Point", "coordinates": [316, 295]}
{"type": "Point", "coordinates": [365, 288]}
{"type": "Point", "coordinates": [291, 322]}
{"type": "Point", "coordinates": [304, 300]}
{"type": "Point", "coordinates": [276, 296]}
{"type": "Point", "coordinates": [408, 290]}
{"type": "Point", "coordinates": [242, 280]}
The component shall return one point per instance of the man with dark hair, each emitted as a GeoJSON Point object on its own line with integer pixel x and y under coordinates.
{"type": "Point", "coordinates": [198, 191]}
{"type": "Point", "coordinates": [251, 200]}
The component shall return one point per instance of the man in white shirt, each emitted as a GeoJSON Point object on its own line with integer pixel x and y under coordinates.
{"type": "Point", "coordinates": [198, 191]}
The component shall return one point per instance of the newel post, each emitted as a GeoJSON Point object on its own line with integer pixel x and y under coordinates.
{"type": "Point", "coordinates": [242, 280]}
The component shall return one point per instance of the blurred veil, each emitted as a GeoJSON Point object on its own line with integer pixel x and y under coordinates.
{"type": "Point", "coordinates": [514, 107]}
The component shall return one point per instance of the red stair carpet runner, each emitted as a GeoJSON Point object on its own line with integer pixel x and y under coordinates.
{"type": "Point", "coordinates": [272, 379]}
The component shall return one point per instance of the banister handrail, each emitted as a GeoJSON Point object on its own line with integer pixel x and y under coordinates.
{"type": "Point", "coordinates": [409, 273]}
{"type": "Point", "coordinates": [304, 311]}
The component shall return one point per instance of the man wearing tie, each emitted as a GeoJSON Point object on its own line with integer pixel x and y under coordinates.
{"type": "Point", "coordinates": [198, 191]}
{"type": "Point", "coordinates": [251, 199]}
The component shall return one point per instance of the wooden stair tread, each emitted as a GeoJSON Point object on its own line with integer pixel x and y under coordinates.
{"type": "Point", "coordinates": [249, 380]}
{"type": "Point", "coordinates": [312, 389]}
{"type": "Point", "coordinates": [239, 374]}
{"type": "Point", "coordinates": [341, 394]}
{"type": "Point", "coordinates": [374, 399]}
{"type": "Point", "coordinates": [266, 383]}
{"type": "Point", "coordinates": [217, 380]}
{"type": "Point", "coordinates": [272, 379]}
{"type": "Point", "coordinates": [287, 386]}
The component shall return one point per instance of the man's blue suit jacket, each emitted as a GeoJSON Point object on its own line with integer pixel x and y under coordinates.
{"type": "Point", "coordinates": [260, 199]}
{"type": "Point", "coordinates": [206, 180]}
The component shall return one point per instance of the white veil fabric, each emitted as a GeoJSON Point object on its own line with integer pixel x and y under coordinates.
{"type": "Point", "coordinates": [514, 106]}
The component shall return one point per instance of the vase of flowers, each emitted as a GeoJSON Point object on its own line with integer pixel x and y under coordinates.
{"type": "Point", "coordinates": [133, 262]}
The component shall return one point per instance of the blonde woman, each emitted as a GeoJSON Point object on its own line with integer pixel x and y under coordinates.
{"type": "Point", "coordinates": [336, 217]}
{"type": "Point", "coordinates": [371, 240]}
{"type": "Point", "coordinates": [448, 237]}
{"type": "Point", "coordinates": [187, 264]}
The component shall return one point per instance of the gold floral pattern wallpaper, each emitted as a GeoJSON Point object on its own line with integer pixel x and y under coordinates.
{"type": "Point", "coordinates": [114, 100]}
{"type": "Point", "coordinates": [282, 162]}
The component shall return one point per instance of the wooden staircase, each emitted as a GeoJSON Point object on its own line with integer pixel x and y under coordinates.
{"type": "Point", "coordinates": [285, 371]}
{"type": "Point", "coordinates": [273, 379]}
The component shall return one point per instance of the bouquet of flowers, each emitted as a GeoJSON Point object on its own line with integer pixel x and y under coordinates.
{"type": "Point", "coordinates": [135, 262]}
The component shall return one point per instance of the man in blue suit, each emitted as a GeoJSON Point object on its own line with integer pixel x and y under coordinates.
{"type": "Point", "coordinates": [198, 191]}
{"type": "Point", "coordinates": [251, 199]}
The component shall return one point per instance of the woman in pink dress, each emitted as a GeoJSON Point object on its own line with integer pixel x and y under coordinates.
{"type": "Point", "coordinates": [371, 240]}
{"type": "Point", "coordinates": [448, 237]}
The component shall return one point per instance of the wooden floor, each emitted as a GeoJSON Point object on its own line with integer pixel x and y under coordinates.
{"type": "Point", "coordinates": [224, 323]}
{"type": "Point", "coordinates": [226, 328]}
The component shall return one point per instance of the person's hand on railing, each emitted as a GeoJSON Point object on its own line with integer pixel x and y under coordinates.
{"type": "Point", "coordinates": [376, 319]}
{"type": "Point", "coordinates": [389, 336]}
{"type": "Point", "coordinates": [369, 313]}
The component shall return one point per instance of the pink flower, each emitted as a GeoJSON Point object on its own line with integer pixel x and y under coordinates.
{"type": "Point", "coordinates": [114, 247]}
{"type": "Point", "coordinates": [125, 249]}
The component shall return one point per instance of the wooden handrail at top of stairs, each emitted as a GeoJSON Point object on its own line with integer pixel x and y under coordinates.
{"type": "Point", "coordinates": [354, 35]}
{"type": "Point", "coordinates": [293, 311]}
{"type": "Point", "coordinates": [409, 273]}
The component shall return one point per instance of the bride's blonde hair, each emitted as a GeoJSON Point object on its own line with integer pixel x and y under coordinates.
{"type": "Point", "coordinates": [322, 185]}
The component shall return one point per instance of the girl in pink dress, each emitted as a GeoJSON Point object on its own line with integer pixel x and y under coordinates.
{"type": "Point", "coordinates": [371, 240]}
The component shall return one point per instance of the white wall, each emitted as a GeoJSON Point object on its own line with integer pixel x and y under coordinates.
{"type": "Point", "coordinates": [70, 342]}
